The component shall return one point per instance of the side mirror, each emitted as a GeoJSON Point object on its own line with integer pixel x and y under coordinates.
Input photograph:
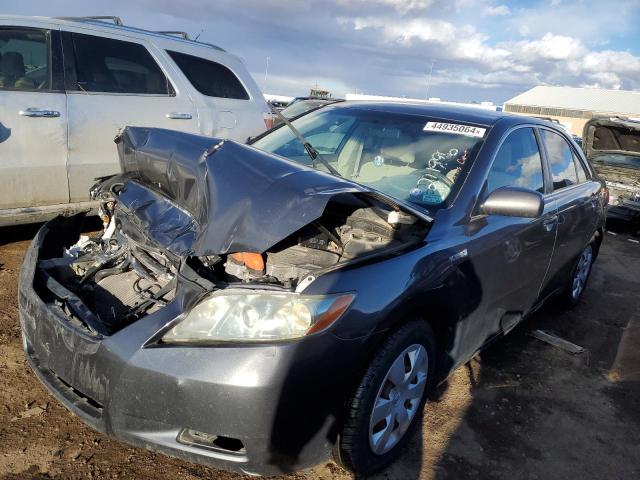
{"type": "Point", "coordinates": [513, 202]}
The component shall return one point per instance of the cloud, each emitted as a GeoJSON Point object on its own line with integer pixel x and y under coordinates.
{"type": "Point", "coordinates": [480, 49]}
{"type": "Point", "coordinates": [549, 47]}
{"type": "Point", "coordinates": [402, 6]}
{"type": "Point", "coordinates": [496, 11]}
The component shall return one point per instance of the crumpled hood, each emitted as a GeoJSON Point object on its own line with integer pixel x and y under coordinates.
{"type": "Point", "coordinates": [196, 195]}
{"type": "Point", "coordinates": [611, 135]}
{"type": "Point", "coordinates": [618, 136]}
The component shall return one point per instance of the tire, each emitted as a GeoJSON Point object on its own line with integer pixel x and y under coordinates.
{"type": "Point", "coordinates": [362, 447]}
{"type": "Point", "coordinates": [580, 273]}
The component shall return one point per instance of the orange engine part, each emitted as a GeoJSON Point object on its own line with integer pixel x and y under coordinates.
{"type": "Point", "coordinates": [251, 260]}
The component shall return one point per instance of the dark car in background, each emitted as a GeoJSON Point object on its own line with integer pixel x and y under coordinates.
{"type": "Point", "coordinates": [612, 145]}
{"type": "Point", "coordinates": [258, 307]}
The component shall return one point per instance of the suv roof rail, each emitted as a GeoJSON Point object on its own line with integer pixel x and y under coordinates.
{"type": "Point", "coordinates": [113, 18]}
{"type": "Point", "coordinates": [184, 35]}
{"type": "Point", "coordinates": [118, 22]}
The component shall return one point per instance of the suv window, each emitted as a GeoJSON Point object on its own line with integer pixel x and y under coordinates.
{"type": "Point", "coordinates": [210, 78]}
{"type": "Point", "coordinates": [24, 59]}
{"type": "Point", "coordinates": [517, 164]}
{"type": "Point", "coordinates": [561, 160]}
{"type": "Point", "coordinates": [115, 66]}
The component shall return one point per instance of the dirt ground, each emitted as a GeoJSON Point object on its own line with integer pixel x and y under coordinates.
{"type": "Point", "coordinates": [522, 409]}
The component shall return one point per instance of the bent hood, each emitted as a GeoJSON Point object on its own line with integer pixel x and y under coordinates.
{"type": "Point", "coordinates": [603, 140]}
{"type": "Point", "coordinates": [196, 195]}
{"type": "Point", "coordinates": [611, 135]}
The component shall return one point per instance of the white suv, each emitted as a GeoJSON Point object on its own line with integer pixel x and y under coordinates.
{"type": "Point", "coordinates": [68, 85]}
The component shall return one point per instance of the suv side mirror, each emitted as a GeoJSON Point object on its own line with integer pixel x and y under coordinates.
{"type": "Point", "coordinates": [513, 202]}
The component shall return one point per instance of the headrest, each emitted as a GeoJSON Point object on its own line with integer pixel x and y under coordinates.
{"type": "Point", "coordinates": [12, 64]}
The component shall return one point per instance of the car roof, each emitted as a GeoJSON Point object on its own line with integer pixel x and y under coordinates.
{"type": "Point", "coordinates": [105, 26]}
{"type": "Point", "coordinates": [471, 115]}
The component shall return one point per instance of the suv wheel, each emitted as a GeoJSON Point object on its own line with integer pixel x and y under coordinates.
{"type": "Point", "coordinates": [579, 277]}
{"type": "Point", "coordinates": [382, 413]}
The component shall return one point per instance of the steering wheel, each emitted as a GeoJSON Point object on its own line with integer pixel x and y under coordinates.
{"type": "Point", "coordinates": [432, 187]}
{"type": "Point", "coordinates": [436, 176]}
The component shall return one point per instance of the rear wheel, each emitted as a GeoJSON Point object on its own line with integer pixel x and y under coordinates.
{"type": "Point", "coordinates": [388, 402]}
{"type": "Point", "coordinates": [579, 277]}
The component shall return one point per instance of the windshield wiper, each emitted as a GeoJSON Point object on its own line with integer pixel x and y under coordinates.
{"type": "Point", "coordinates": [312, 152]}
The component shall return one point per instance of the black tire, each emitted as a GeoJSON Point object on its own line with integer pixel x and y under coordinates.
{"type": "Point", "coordinates": [354, 450]}
{"type": "Point", "coordinates": [568, 298]}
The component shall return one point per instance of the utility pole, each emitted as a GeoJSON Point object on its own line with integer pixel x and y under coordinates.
{"type": "Point", "coordinates": [429, 80]}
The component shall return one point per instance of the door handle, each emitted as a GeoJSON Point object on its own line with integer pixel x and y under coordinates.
{"type": "Point", "coordinates": [179, 116]}
{"type": "Point", "coordinates": [36, 112]}
{"type": "Point", "coordinates": [550, 222]}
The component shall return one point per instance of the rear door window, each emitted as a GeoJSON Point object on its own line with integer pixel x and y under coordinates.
{"type": "Point", "coordinates": [114, 66]}
{"type": "Point", "coordinates": [210, 78]}
{"type": "Point", "coordinates": [517, 164]}
{"type": "Point", "coordinates": [561, 160]}
{"type": "Point", "coordinates": [24, 59]}
{"type": "Point", "coordinates": [582, 173]}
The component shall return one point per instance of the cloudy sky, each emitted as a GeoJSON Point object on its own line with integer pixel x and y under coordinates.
{"type": "Point", "coordinates": [460, 50]}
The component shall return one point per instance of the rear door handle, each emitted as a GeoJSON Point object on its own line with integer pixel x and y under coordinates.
{"type": "Point", "coordinates": [179, 116]}
{"type": "Point", "coordinates": [37, 112]}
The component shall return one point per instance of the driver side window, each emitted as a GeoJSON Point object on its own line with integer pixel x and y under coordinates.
{"type": "Point", "coordinates": [517, 163]}
{"type": "Point", "coordinates": [24, 59]}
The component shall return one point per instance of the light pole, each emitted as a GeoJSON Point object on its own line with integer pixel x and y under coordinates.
{"type": "Point", "coordinates": [266, 72]}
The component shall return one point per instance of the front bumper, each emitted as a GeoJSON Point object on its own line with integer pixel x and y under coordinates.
{"type": "Point", "coordinates": [283, 402]}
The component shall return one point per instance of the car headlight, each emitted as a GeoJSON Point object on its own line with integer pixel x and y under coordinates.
{"type": "Point", "coordinates": [257, 317]}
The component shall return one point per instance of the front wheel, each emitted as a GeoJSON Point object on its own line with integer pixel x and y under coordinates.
{"type": "Point", "coordinates": [390, 397]}
{"type": "Point", "coordinates": [579, 277]}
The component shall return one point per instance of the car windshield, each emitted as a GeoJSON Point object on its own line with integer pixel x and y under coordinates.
{"type": "Point", "coordinates": [409, 157]}
{"type": "Point", "coordinates": [617, 160]}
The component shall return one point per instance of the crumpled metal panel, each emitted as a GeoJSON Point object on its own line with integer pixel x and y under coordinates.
{"type": "Point", "coordinates": [611, 135]}
{"type": "Point", "coordinates": [197, 195]}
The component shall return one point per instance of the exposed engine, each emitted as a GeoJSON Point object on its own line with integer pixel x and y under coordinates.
{"type": "Point", "coordinates": [113, 279]}
{"type": "Point", "coordinates": [350, 228]}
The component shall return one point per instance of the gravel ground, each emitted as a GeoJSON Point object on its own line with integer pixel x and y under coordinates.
{"type": "Point", "coordinates": [522, 409]}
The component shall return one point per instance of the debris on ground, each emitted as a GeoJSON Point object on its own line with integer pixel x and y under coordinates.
{"type": "Point", "coordinates": [556, 341]}
{"type": "Point", "coordinates": [31, 412]}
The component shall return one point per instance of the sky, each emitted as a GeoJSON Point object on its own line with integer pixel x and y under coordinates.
{"type": "Point", "coordinates": [457, 50]}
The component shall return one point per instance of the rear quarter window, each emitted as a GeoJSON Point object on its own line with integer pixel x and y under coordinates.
{"type": "Point", "coordinates": [210, 78]}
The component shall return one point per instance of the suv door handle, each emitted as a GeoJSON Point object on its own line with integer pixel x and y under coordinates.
{"type": "Point", "coordinates": [179, 116]}
{"type": "Point", "coordinates": [36, 112]}
{"type": "Point", "coordinates": [550, 222]}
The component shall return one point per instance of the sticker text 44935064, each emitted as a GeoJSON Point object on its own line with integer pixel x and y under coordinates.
{"type": "Point", "coordinates": [455, 128]}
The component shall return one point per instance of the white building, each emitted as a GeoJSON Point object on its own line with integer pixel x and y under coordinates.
{"type": "Point", "coordinates": [572, 107]}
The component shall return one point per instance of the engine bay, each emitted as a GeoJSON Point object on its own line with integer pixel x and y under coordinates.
{"type": "Point", "coordinates": [115, 279]}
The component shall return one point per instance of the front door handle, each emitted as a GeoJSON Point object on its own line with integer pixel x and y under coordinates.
{"type": "Point", "coordinates": [37, 112]}
{"type": "Point", "coordinates": [549, 223]}
{"type": "Point", "coordinates": [179, 116]}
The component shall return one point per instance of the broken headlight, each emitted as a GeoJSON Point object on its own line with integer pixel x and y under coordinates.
{"type": "Point", "coordinates": [257, 317]}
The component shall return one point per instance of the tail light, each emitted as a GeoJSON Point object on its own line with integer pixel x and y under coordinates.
{"type": "Point", "coordinates": [604, 192]}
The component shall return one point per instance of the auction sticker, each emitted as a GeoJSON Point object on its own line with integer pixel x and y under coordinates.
{"type": "Point", "coordinates": [455, 128]}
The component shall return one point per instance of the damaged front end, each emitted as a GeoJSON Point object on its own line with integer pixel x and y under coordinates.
{"type": "Point", "coordinates": [192, 217]}
{"type": "Point", "coordinates": [612, 145]}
